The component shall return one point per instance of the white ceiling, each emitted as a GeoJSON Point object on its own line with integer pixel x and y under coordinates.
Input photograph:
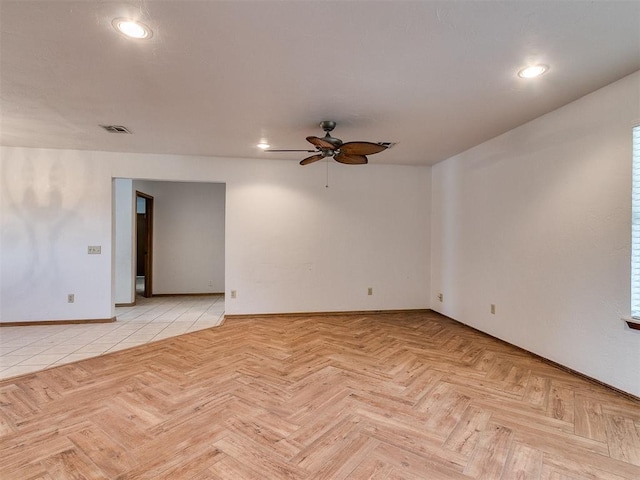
{"type": "Point", "coordinates": [218, 77]}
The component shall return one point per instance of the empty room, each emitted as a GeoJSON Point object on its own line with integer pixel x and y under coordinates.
{"type": "Point", "coordinates": [319, 240]}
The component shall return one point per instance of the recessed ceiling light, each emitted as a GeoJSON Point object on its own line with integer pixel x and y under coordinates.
{"type": "Point", "coordinates": [532, 71]}
{"type": "Point", "coordinates": [132, 28]}
{"type": "Point", "coordinates": [263, 146]}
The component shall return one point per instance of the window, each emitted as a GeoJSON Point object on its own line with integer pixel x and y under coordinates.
{"type": "Point", "coordinates": [635, 226]}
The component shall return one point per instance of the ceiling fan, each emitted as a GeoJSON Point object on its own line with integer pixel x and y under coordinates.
{"type": "Point", "coordinates": [351, 153]}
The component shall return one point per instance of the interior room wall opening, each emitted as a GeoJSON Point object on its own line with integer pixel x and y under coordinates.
{"type": "Point", "coordinates": [169, 239]}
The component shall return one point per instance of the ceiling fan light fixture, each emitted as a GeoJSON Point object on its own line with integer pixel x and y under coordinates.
{"type": "Point", "coordinates": [132, 28]}
{"type": "Point", "coordinates": [533, 71]}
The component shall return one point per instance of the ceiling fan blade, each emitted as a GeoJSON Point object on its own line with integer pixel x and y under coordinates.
{"type": "Point", "coordinates": [309, 151]}
{"type": "Point", "coordinates": [361, 148]}
{"type": "Point", "coordinates": [311, 159]}
{"type": "Point", "coordinates": [320, 143]}
{"type": "Point", "coordinates": [351, 159]}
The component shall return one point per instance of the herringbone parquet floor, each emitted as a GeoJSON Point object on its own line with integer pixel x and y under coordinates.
{"type": "Point", "coordinates": [381, 396]}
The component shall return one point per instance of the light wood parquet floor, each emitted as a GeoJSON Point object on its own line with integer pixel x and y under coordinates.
{"type": "Point", "coordinates": [381, 396]}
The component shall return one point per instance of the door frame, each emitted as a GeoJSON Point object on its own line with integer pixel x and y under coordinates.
{"type": "Point", "coordinates": [148, 261]}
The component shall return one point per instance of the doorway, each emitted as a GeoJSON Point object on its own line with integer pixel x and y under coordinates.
{"type": "Point", "coordinates": [144, 244]}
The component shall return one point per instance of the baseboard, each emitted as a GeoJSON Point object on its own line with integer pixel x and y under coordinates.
{"type": "Point", "coordinates": [547, 361]}
{"type": "Point", "coordinates": [324, 314]}
{"type": "Point", "coordinates": [132, 304]}
{"type": "Point", "coordinates": [205, 294]}
{"type": "Point", "coordinates": [57, 322]}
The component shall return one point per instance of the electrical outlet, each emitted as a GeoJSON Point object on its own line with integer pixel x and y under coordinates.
{"type": "Point", "coordinates": [440, 297]}
{"type": "Point", "coordinates": [234, 294]}
{"type": "Point", "coordinates": [211, 283]}
{"type": "Point", "coordinates": [370, 291]}
{"type": "Point", "coordinates": [71, 298]}
{"type": "Point", "coordinates": [94, 250]}
{"type": "Point", "coordinates": [493, 309]}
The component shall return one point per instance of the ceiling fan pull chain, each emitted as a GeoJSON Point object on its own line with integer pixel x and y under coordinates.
{"type": "Point", "coordinates": [327, 162]}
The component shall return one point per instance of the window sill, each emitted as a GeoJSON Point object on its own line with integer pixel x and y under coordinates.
{"type": "Point", "coordinates": [633, 323]}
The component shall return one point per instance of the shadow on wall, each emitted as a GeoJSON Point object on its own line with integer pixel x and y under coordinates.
{"type": "Point", "coordinates": [39, 200]}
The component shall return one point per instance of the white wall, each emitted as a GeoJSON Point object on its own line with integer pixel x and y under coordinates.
{"type": "Point", "coordinates": [304, 247]}
{"type": "Point", "coordinates": [53, 205]}
{"type": "Point", "coordinates": [291, 244]}
{"type": "Point", "coordinates": [188, 236]}
{"type": "Point", "coordinates": [123, 208]}
{"type": "Point", "coordinates": [537, 222]}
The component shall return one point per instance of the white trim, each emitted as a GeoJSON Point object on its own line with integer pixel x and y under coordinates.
{"type": "Point", "coordinates": [635, 223]}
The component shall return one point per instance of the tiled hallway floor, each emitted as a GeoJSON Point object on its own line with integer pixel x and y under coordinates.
{"type": "Point", "coordinates": [27, 349]}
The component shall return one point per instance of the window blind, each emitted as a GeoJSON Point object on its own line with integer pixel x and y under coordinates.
{"type": "Point", "coordinates": [635, 226]}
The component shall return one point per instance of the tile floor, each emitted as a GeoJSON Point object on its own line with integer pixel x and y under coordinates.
{"type": "Point", "coordinates": [27, 349]}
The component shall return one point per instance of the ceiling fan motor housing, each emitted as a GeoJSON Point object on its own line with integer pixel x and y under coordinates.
{"type": "Point", "coordinates": [336, 142]}
{"type": "Point", "coordinates": [327, 126]}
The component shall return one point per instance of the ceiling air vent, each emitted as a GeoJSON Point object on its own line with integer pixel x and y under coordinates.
{"type": "Point", "coordinates": [115, 129]}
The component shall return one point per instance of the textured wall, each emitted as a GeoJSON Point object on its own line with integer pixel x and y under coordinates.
{"type": "Point", "coordinates": [53, 205]}
{"type": "Point", "coordinates": [291, 244]}
{"type": "Point", "coordinates": [537, 222]}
